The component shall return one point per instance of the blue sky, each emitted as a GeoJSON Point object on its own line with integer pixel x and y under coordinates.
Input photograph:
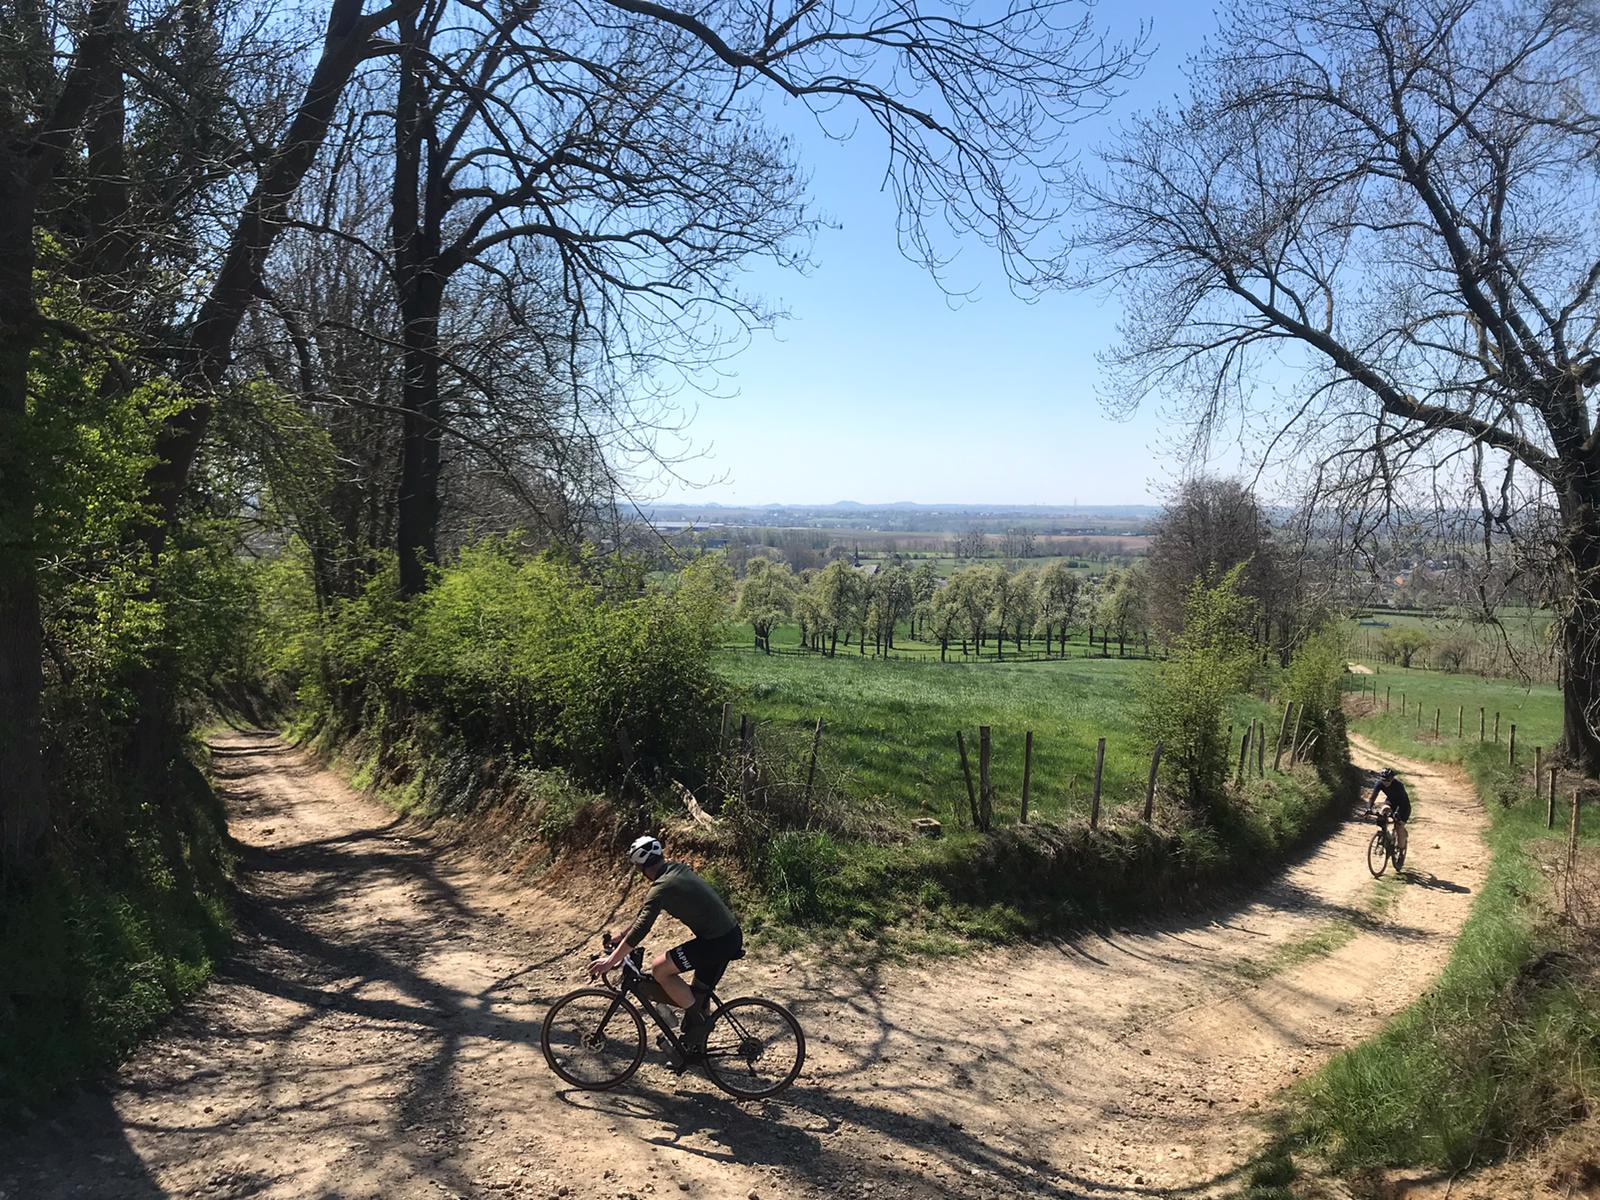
{"type": "Point", "coordinates": [880, 387]}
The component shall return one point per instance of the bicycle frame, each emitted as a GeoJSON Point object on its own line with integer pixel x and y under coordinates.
{"type": "Point", "coordinates": [632, 978]}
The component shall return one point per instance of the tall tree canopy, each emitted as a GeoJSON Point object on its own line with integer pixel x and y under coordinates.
{"type": "Point", "coordinates": [1388, 210]}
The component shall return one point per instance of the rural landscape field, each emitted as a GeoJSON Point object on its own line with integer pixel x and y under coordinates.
{"type": "Point", "coordinates": [605, 600]}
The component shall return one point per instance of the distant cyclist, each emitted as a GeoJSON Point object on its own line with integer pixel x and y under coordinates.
{"type": "Point", "coordinates": [1396, 805]}
{"type": "Point", "coordinates": [717, 941]}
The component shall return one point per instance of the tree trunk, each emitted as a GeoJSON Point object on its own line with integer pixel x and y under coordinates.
{"type": "Point", "coordinates": [1580, 635]}
{"type": "Point", "coordinates": [420, 281]}
{"type": "Point", "coordinates": [24, 813]}
{"type": "Point", "coordinates": [209, 346]}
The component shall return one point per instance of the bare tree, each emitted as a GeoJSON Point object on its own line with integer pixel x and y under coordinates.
{"type": "Point", "coordinates": [1209, 527]}
{"type": "Point", "coordinates": [1386, 210]}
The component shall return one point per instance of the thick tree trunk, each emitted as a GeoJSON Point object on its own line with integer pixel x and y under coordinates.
{"type": "Point", "coordinates": [1580, 635]}
{"type": "Point", "coordinates": [24, 813]}
{"type": "Point", "coordinates": [417, 212]}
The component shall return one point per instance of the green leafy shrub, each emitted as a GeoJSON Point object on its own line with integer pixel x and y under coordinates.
{"type": "Point", "coordinates": [1314, 683]}
{"type": "Point", "coordinates": [1185, 703]}
{"type": "Point", "coordinates": [531, 655]}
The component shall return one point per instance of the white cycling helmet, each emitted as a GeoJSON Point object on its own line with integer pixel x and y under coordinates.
{"type": "Point", "coordinates": [644, 849]}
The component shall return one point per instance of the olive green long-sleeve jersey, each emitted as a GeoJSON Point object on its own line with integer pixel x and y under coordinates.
{"type": "Point", "coordinates": [680, 893]}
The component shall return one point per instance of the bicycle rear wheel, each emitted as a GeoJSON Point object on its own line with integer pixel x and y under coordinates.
{"type": "Point", "coordinates": [754, 1048]}
{"type": "Point", "coordinates": [1378, 854]}
{"type": "Point", "coordinates": [592, 1038]}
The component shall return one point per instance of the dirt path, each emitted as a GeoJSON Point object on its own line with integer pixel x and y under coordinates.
{"type": "Point", "coordinates": [376, 1035]}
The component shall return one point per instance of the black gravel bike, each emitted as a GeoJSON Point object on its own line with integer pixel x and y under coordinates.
{"type": "Point", "coordinates": [594, 1038]}
{"type": "Point", "coordinates": [1384, 848]}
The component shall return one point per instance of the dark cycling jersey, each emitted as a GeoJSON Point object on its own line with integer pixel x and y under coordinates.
{"type": "Point", "coordinates": [681, 893]}
{"type": "Point", "coordinates": [1399, 799]}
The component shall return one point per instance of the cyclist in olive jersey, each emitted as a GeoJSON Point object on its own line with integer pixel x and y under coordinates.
{"type": "Point", "coordinates": [679, 892]}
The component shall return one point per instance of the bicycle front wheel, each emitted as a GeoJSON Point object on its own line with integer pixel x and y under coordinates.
{"type": "Point", "coordinates": [1378, 854]}
{"type": "Point", "coordinates": [754, 1048]}
{"type": "Point", "coordinates": [593, 1039]}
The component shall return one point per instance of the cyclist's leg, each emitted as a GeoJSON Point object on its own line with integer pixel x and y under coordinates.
{"type": "Point", "coordinates": [668, 972]}
{"type": "Point", "coordinates": [1400, 835]}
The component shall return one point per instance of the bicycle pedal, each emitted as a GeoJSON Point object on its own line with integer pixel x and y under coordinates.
{"type": "Point", "coordinates": [676, 1063]}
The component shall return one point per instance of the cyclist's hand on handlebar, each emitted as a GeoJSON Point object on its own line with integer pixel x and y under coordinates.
{"type": "Point", "coordinates": [608, 962]}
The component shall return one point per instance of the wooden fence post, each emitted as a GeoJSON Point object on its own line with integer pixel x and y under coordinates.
{"type": "Point", "coordinates": [1027, 773]}
{"type": "Point", "coordinates": [966, 770]}
{"type": "Point", "coordinates": [1385, 698]}
{"type": "Point", "coordinates": [1402, 704]}
{"type": "Point", "coordinates": [1497, 727]}
{"type": "Point", "coordinates": [1461, 720]}
{"type": "Point", "coordinates": [1099, 773]}
{"type": "Point", "coordinates": [1538, 770]}
{"type": "Point", "coordinates": [1511, 747]}
{"type": "Point", "coordinates": [1480, 722]}
{"type": "Point", "coordinates": [811, 768]}
{"type": "Point", "coordinates": [1283, 732]}
{"type": "Point", "coordinates": [1261, 750]}
{"type": "Point", "coordinates": [1150, 788]}
{"type": "Point", "coordinates": [1436, 722]}
{"type": "Point", "coordinates": [1244, 752]}
{"type": "Point", "coordinates": [1294, 738]}
{"type": "Point", "coordinates": [1550, 810]}
{"type": "Point", "coordinates": [1572, 844]}
{"type": "Point", "coordinates": [985, 789]}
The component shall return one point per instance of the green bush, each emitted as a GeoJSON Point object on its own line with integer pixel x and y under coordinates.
{"type": "Point", "coordinates": [531, 655]}
{"type": "Point", "coordinates": [1315, 682]}
{"type": "Point", "coordinates": [1185, 703]}
{"type": "Point", "coordinates": [97, 947]}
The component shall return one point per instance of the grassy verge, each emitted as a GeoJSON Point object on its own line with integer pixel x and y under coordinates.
{"type": "Point", "coordinates": [104, 941]}
{"type": "Point", "coordinates": [854, 875]}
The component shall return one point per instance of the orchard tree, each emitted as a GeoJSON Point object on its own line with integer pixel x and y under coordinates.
{"type": "Point", "coordinates": [766, 596]}
{"type": "Point", "coordinates": [839, 593]}
{"type": "Point", "coordinates": [1121, 606]}
{"type": "Point", "coordinates": [1388, 210]}
{"type": "Point", "coordinates": [1057, 601]}
{"type": "Point", "coordinates": [924, 586]}
{"type": "Point", "coordinates": [945, 614]}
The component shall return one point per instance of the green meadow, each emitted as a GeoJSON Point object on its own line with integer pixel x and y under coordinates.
{"type": "Point", "coordinates": [890, 724]}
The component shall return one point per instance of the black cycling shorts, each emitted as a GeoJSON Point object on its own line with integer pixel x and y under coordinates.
{"type": "Point", "coordinates": [708, 958]}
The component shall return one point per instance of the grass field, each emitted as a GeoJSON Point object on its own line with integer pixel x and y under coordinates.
{"type": "Point", "coordinates": [891, 724]}
{"type": "Point", "coordinates": [1535, 710]}
{"type": "Point", "coordinates": [1520, 644]}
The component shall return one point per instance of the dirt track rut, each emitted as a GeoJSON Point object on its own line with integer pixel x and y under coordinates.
{"type": "Point", "coordinates": [376, 1035]}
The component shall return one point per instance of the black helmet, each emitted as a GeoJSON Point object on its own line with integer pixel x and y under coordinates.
{"type": "Point", "coordinates": [1386, 773]}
